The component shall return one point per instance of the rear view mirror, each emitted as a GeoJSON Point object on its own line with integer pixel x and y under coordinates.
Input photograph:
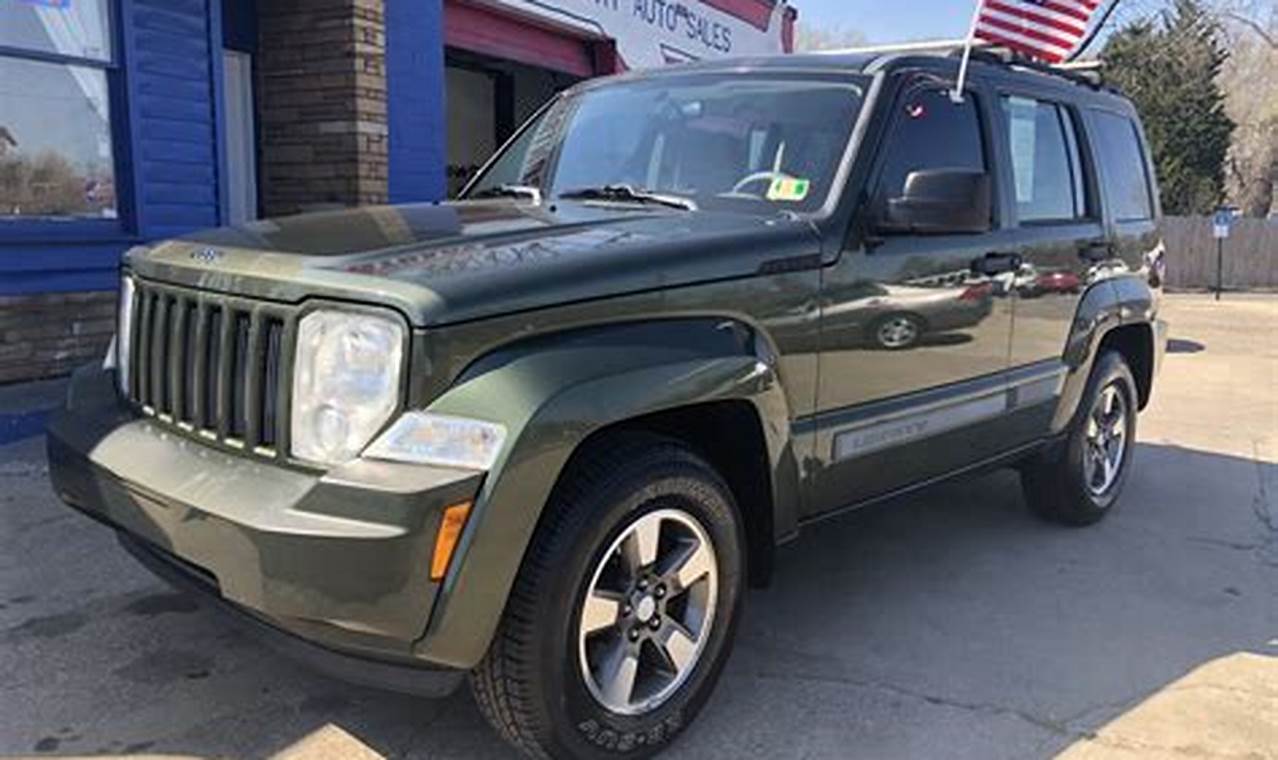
{"type": "Point", "coordinates": [940, 201]}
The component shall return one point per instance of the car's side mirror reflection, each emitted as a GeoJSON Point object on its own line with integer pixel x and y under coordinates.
{"type": "Point", "coordinates": [937, 202]}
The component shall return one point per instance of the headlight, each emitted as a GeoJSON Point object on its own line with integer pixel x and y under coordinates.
{"type": "Point", "coordinates": [122, 344]}
{"type": "Point", "coordinates": [345, 383]}
{"type": "Point", "coordinates": [428, 438]}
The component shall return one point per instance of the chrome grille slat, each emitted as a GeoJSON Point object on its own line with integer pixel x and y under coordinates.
{"type": "Point", "coordinates": [159, 352]}
{"type": "Point", "coordinates": [146, 303]}
{"type": "Point", "coordinates": [200, 353]}
{"type": "Point", "coordinates": [268, 394]}
{"type": "Point", "coordinates": [225, 368]}
{"type": "Point", "coordinates": [176, 393]}
{"type": "Point", "coordinates": [217, 366]}
{"type": "Point", "coordinates": [191, 348]}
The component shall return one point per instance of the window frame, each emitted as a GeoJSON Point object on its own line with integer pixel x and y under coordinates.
{"type": "Point", "coordinates": [980, 98]}
{"type": "Point", "coordinates": [1080, 159]}
{"type": "Point", "coordinates": [71, 230]}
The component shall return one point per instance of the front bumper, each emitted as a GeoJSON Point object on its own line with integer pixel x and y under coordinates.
{"type": "Point", "coordinates": [340, 559]}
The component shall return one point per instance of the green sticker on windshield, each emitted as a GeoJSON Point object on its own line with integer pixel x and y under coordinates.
{"type": "Point", "coordinates": [789, 189]}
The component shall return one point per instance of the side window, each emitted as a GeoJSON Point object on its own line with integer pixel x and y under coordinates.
{"type": "Point", "coordinates": [1046, 170]}
{"type": "Point", "coordinates": [1126, 182]}
{"type": "Point", "coordinates": [931, 132]}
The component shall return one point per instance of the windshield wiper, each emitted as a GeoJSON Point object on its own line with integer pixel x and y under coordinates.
{"type": "Point", "coordinates": [630, 194]}
{"type": "Point", "coordinates": [510, 191]}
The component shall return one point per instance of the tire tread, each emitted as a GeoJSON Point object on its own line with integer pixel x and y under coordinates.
{"type": "Point", "coordinates": [502, 682]}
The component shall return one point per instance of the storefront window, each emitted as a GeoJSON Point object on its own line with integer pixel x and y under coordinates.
{"type": "Point", "coordinates": [55, 116]}
{"type": "Point", "coordinates": [71, 28]}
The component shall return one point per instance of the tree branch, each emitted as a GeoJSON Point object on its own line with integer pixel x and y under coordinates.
{"type": "Point", "coordinates": [1254, 25]}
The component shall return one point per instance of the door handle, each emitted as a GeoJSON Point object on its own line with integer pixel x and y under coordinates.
{"type": "Point", "coordinates": [997, 263]}
{"type": "Point", "coordinates": [1096, 250]}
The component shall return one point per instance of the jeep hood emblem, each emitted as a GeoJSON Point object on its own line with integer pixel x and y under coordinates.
{"type": "Point", "coordinates": [207, 255]}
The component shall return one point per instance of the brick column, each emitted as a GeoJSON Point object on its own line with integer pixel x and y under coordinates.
{"type": "Point", "coordinates": [322, 101]}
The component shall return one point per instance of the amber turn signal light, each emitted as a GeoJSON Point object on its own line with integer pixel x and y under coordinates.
{"type": "Point", "coordinates": [450, 528]}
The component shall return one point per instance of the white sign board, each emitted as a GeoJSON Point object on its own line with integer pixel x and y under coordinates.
{"type": "Point", "coordinates": [1220, 224]}
{"type": "Point", "coordinates": [657, 32]}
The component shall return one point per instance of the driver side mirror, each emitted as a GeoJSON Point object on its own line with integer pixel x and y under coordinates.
{"type": "Point", "coordinates": [938, 202]}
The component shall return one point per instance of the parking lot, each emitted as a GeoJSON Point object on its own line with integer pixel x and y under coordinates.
{"type": "Point", "coordinates": [948, 625]}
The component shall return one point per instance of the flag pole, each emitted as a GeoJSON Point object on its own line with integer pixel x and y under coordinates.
{"type": "Point", "coordinates": [956, 95]}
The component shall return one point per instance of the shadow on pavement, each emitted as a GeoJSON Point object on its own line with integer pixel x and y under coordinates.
{"type": "Point", "coordinates": [1181, 346]}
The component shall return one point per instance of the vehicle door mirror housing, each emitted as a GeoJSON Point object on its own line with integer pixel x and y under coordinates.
{"type": "Point", "coordinates": [938, 202]}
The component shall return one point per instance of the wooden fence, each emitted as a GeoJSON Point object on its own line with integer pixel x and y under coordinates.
{"type": "Point", "coordinates": [1250, 260]}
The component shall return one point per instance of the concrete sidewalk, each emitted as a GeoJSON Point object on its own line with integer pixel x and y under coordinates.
{"type": "Point", "coordinates": [948, 625]}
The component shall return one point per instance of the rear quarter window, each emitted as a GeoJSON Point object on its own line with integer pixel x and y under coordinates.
{"type": "Point", "coordinates": [1123, 168]}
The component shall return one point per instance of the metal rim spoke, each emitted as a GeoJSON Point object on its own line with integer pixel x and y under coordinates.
{"type": "Point", "coordinates": [619, 674]}
{"type": "Point", "coordinates": [692, 567]}
{"type": "Point", "coordinates": [640, 546]}
{"type": "Point", "coordinates": [600, 611]}
{"type": "Point", "coordinates": [677, 646]}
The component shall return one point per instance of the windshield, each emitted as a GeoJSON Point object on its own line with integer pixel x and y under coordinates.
{"type": "Point", "coordinates": [754, 142]}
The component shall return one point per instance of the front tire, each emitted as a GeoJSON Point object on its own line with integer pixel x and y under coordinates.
{"type": "Point", "coordinates": [1078, 481]}
{"type": "Point", "coordinates": [622, 615]}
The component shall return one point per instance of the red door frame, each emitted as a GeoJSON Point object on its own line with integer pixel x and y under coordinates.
{"type": "Point", "coordinates": [484, 30]}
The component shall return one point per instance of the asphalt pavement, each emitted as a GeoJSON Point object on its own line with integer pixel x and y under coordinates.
{"type": "Point", "coordinates": [951, 624]}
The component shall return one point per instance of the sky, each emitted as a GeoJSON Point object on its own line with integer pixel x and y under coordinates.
{"type": "Point", "coordinates": [890, 21]}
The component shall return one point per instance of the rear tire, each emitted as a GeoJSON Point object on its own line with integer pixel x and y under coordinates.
{"type": "Point", "coordinates": [897, 332]}
{"type": "Point", "coordinates": [623, 612]}
{"type": "Point", "coordinates": [1078, 481]}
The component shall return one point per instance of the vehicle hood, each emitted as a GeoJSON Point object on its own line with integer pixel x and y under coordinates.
{"type": "Point", "coordinates": [446, 263]}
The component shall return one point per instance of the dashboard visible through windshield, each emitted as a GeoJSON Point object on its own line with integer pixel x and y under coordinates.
{"type": "Point", "coordinates": [751, 142]}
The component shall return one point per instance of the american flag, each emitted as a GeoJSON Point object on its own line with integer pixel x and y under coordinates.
{"type": "Point", "coordinates": [1045, 29]}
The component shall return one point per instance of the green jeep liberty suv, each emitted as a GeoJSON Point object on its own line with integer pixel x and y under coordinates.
{"type": "Point", "coordinates": [548, 434]}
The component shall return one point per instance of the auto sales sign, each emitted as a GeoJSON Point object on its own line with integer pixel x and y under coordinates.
{"type": "Point", "coordinates": [656, 32]}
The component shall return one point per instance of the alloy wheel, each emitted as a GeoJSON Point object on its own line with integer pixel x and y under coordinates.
{"type": "Point", "coordinates": [898, 332]}
{"type": "Point", "coordinates": [647, 612]}
{"type": "Point", "coordinates": [1105, 447]}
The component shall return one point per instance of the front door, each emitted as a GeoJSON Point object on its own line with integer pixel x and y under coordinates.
{"type": "Point", "coordinates": [914, 343]}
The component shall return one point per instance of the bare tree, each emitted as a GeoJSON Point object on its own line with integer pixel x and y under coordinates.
{"type": "Point", "coordinates": [1249, 79]}
{"type": "Point", "coordinates": [1250, 82]}
{"type": "Point", "coordinates": [811, 38]}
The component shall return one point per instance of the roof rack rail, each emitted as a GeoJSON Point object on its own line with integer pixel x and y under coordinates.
{"type": "Point", "coordinates": [1087, 73]}
{"type": "Point", "coordinates": [921, 46]}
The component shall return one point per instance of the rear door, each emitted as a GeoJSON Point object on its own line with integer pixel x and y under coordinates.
{"type": "Point", "coordinates": [1051, 195]}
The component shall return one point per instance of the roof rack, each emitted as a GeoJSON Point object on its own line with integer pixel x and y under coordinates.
{"type": "Point", "coordinates": [922, 46]}
{"type": "Point", "coordinates": [1087, 73]}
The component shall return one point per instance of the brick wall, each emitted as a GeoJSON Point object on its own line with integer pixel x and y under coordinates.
{"type": "Point", "coordinates": [322, 96]}
{"type": "Point", "coordinates": [52, 334]}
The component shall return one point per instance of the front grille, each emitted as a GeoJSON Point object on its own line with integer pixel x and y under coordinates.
{"type": "Point", "coordinates": [213, 365]}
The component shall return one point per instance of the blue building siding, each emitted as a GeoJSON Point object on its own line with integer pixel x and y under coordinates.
{"type": "Point", "coordinates": [173, 75]}
{"type": "Point", "coordinates": [167, 148]}
{"type": "Point", "coordinates": [415, 94]}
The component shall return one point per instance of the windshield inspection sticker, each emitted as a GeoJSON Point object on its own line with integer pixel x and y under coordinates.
{"type": "Point", "coordinates": [789, 189]}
